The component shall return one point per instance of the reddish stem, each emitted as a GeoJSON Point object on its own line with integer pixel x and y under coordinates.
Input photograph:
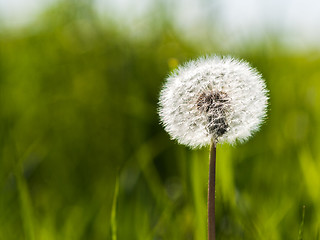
{"type": "Point", "coordinates": [212, 193]}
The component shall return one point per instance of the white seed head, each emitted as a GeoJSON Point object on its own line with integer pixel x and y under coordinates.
{"type": "Point", "coordinates": [213, 99]}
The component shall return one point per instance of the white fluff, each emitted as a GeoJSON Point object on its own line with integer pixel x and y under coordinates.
{"type": "Point", "coordinates": [213, 99]}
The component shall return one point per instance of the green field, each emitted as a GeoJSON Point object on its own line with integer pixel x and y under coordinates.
{"type": "Point", "coordinates": [83, 156]}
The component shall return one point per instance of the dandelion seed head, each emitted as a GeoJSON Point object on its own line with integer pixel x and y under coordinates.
{"type": "Point", "coordinates": [213, 99]}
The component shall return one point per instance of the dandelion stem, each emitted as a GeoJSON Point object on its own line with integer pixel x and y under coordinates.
{"type": "Point", "coordinates": [212, 193]}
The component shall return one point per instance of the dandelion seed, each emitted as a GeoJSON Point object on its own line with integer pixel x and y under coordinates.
{"type": "Point", "coordinates": [213, 100]}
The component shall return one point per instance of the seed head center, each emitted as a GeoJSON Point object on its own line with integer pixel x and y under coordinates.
{"type": "Point", "coordinates": [214, 105]}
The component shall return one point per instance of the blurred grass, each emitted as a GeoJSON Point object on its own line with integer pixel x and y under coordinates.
{"type": "Point", "coordinates": [114, 211]}
{"type": "Point", "coordinates": [79, 105]}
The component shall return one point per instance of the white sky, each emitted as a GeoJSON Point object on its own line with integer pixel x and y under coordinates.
{"type": "Point", "coordinates": [297, 20]}
{"type": "Point", "coordinates": [19, 12]}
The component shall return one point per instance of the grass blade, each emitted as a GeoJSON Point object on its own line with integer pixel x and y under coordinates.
{"type": "Point", "coordinates": [114, 210]}
{"type": "Point", "coordinates": [302, 223]}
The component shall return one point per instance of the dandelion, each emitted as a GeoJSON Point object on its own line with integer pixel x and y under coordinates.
{"type": "Point", "coordinates": [209, 101]}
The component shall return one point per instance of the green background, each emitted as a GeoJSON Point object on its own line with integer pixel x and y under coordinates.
{"type": "Point", "coordinates": [82, 154]}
